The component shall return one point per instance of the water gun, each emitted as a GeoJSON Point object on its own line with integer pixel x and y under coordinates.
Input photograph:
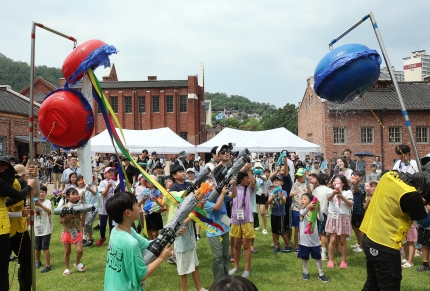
{"type": "Point", "coordinates": [257, 172]}
{"type": "Point", "coordinates": [312, 217]}
{"type": "Point", "coordinates": [151, 207]}
{"type": "Point", "coordinates": [276, 193]}
{"type": "Point", "coordinates": [282, 156]}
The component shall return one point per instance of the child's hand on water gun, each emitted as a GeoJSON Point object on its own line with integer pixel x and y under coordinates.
{"type": "Point", "coordinates": [152, 197]}
{"type": "Point", "coordinates": [311, 205]}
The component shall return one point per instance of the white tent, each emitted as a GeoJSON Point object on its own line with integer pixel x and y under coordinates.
{"type": "Point", "coordinates": [161, 140]}
{"type": "Point", "coordinates": [274, 140]}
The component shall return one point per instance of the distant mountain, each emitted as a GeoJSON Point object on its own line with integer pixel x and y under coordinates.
{"type": "Point", "coordinates": [17, 74]}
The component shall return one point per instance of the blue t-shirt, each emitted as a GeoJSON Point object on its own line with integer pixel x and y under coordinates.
{"type": "Point", "coordinates": [359, 199]}
{"type": "Point", "coordinates": [216, 217]}
{"type": "Point", "coordinates": [278, 209]}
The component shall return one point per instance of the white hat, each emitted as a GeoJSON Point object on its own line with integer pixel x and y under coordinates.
{"type": "Point", "coordinates": [191, 170]}
{"type": "Point", "coordinates": [258, 165]}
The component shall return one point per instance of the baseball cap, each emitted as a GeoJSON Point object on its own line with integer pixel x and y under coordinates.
{"type": "Point", "coordinates": [220, 148]}
{"type": "Point", "coordinates": [190, 170]}
{"type": "Point", "coordinates": [20, 170]}
{"type": "Point", "coordinates": [373, 182]}
{"type": "Point", "coordinates": [182, 154]}
{"type": "Point", "coordinates": [69, 155]}
{"type": "Point", "coordinates": [300, 172]}
{"type": "Point", "coordinates": [258, 165]}
{"type": "Point", "coordinates": [154, 153]}
{"type": "Point", "coordinates": [277, 177]}
{"type": "Point", "coordinates": [108, 169]}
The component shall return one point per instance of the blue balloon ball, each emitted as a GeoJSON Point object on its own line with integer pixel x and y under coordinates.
{"type": "Point", "coordinates": [346, 72]}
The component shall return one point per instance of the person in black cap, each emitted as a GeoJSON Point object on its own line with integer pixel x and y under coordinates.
{"type": "Point", "coordinates": [224, 157]}
{"type": "Point", "coordinates": [152, 160]}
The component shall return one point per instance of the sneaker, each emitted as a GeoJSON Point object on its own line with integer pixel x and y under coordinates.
{"type": "Point", "coordinates": [84, 242]}
{"type": "Point", "coordinates": [404, 261]}
{"type": "Point", "coordinates": [38, 265]}
{"type": "Point", "coordinates": [257, 228]}
{"type": "Point", "coordinates": [355, 246]}
{"type": "Point", "coordinates": [296, 250]}
{"type": "Point", "coordinates": [198, 236]}
{"type": "Point", "coordinates": [264, 231]}
{"type": "Point", "coordinates": [407, 265]}
{"type": "Point", "coordinates": [324, 257]}
{"type": "Point", "coordinates": [305, 276]}
{"type": "Point", "coordinates": [96, 227]}
{"type": "Point", "coordinates": [100, 241]}
{"type": "Point", "coordinates": [89, 242]}
{"type": "Point", "coordinates": [357, 250]}
{"type": "Point", "coordinates": [246, 274]}
{"type": "Point", "coordinates": [343, 265]}
{"type": "Point", "coordinates": [348, 238]}
{"type": "Point", "coordinates": [46, 269]}
{"type": "Point", "coordinates": [267, 214]}
{"type": "Point", "coordinates": [232, 271]}
{"type": "Point", "coordinates": [276, 250]}
{"type": "Point", "coordinates": [423, 268]}
{"type": "Point", "coordinates": [330, 265]}
{"type": "Point", "coordinates": [323, 278]}
{"type": "Point", "coordinates": [287, 249]}
{"type": "Point", "coordinates": [171, 261]}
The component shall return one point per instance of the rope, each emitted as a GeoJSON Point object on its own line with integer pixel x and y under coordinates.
{"type": "Point", "coordinates": [16, 263]}
{"type": "Point", "coordinates": [384, 128]}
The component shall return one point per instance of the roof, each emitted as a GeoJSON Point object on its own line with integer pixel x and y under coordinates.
{"type": "Point", "coordinates": [26, 138]}
{"type": "Point", "coordinates": [13, 102]}
{"type": "Point", "coordinates": [416, 96]}
{"type": "Point", "coordinates": [140, 84]}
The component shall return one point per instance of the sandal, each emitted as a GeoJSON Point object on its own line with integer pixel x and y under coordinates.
{"type": "Point", "coordinates": [66, 273]}
{"type": "Point", "coordinates": [80, 267]}
{"type": "Point", "coordinates": [231, 258]}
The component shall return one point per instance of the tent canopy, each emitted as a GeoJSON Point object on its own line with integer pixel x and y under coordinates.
{"type": "Point", "coordinates": [161, 140]}
{"type": "Point", "coordinates": [273, 140]}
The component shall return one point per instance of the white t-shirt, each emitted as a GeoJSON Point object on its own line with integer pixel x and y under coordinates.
{"type": "Point", "coordinates": [410, 168]}
{"type": "Point", "coordinates": [342, 208]}
{"type": "Point", "coordinates": [321, 192]}
{"type": "Point", "coordinates": [103, 186]}
{"type": "Point", "coordinates": [42, 220]}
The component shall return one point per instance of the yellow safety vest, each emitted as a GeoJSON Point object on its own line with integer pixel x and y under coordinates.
{"type": "Point", "coordinates": [4, 217]}
{"type": "Point", "coordinates": [384, 222]}
{"type": "Point", "coordinates": [17, 224]}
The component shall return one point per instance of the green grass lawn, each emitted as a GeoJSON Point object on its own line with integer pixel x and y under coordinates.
{"type": "Point", "coordinates": [268, 271]}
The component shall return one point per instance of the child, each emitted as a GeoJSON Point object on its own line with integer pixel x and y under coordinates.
{"type": "Point", "coordinates": [125, 267]}
{"type": "Point", "coordinates": [89, 196]}
{"type": "Point", "coordinates": [278, 201]}
{"type": "Point", "coordinates": [374, 175]}
{"type": "Point", "coordinates": [72, 183]}
{"type": "Point", "coordinates": [321, 191]}
{"type": "Point", "coordinates": [190, 175]}
{"type": "Point", "coordinates": [154, 221]}
{"type": "Point", "coordinates": [71, 232]}
{"type": "Point", "coordinates": [409, 246]}
{"type": "Point", "coordinates": [300, 187]}
{"type": "Point", "coordinates": [107, 188]}
{"type": "Point", "coordinates": [358, 210]}
{"type": "Point", "coordinates": [43, 229]}
{"type": "Point", "coordinates": [338, 219]}
{"type": "Point", "coordinates": [309, 243]}
{"type": "Point", "coordinates": [424, 240]}
{"type": "Point", "coordinates": [219, 241]}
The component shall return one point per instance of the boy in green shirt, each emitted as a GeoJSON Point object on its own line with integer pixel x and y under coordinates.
{"type": "Point", "coordinates": [125, 267]}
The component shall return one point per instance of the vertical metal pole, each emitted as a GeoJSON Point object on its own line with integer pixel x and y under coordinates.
{"type": "Point", "coordinates": [31, 150]}
{"type": "Point", "coordinates": [396, 86]}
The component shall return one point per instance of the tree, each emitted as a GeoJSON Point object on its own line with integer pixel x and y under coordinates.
{"type": "Point", "coordinates": [251, 125]}
{"type": "Point", "coordinates": [285, 117]}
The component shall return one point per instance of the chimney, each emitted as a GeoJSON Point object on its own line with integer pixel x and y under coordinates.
{"type": "Point", "coordinates": [152, 78]}
{"type": "Point", "coordinates": [62, 81]}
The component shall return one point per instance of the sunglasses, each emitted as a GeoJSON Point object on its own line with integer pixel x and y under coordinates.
{"type": "Point", "coordinates": [223, 152]}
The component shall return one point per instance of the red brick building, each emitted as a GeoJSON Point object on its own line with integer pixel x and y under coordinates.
{"type": "Point", "coordinates": [352, 125]}
{"type": "Point", "coordinates": [14, 109]}
{"type": "Point", "coordinates": [177, 104]}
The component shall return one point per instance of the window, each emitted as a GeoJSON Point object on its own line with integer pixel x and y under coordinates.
{"type": "Point", "coordinates": [141, 103]}
{"type": "Point", "coordinates": [422, 134]}
{"type": "Point", "coordinates": [338, 135]}
{"type": "Point", "coordinates": [114, 103]}
{"type": "Point", "coordinates": [367, 134]}
{"type": "Point", "coordinates": [3, 145]}
{"type": "Point", "coordinates": [169, 103]}
{"type": "Point", "coordinates": [183, 103]}
{"type": "Point", "coordinates": [395, 133]}
{"type": "Point", "coordinates": [155, 104]}
{"type": "Point", "coordinates": [184, 135]}
{"type": "Point", "coordinates": [127, 104]}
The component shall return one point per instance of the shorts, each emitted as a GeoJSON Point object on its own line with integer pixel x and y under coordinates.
{"type": "Point", "coordinates": [296, 218]}
{"type": "Point", "coordinates": [278, 224]}
{"type": "Point", "coordinates": [424, 237]}
{"type": "Point", "coordinates": [412, 235]}
{"type": "Point", "coordinates": [187, 262]}
{"type": "Point", "coordinates": [321, 224]}
{"type": "Point", "coordinates": [245, 230]}
{"type": "Point", "coordinates": [262, 199]}
{"type": "Point", "coordinates": [356, 220]}
{"type": "Point", "coordinates": [42, 242]}
{"type": "Point", "coordinates": [305, 251]}
{"type": "Point", "coordinates": [154, 222]}
{"type": "Point", "coordinates": [66, 237]}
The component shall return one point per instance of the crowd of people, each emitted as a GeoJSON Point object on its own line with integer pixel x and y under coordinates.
{"type": "Point", "coordinates": [330, 194]}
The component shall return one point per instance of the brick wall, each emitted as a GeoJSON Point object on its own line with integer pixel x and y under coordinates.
{"type": "Point", "coordinates": [316, 125]}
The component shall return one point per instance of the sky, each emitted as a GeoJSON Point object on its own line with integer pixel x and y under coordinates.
{"type": "Point", "coordinates": [262, 50]}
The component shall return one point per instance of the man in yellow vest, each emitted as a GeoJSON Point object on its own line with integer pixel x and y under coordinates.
{"type": "Point", "coordinates": [398, 200]}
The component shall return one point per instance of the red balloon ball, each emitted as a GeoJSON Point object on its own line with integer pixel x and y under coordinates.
{"type": "Point", "coordinates": [75, 58]}
{"type": "Point", "coordinates": [74, 123]}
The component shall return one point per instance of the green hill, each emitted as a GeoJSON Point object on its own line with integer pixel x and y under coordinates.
{"type": "Point", "coordinates": [17, 73]}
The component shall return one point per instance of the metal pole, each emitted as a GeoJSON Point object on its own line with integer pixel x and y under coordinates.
{"type": "Point", "coordinates": [390, 70]}
{"type": "Point", "coordinates": [396, 86]}
{"type": "Point", "coordinates": [30, 133]}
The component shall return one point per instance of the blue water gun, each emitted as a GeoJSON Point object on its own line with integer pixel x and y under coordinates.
{"type": "Point", "coordinates": [282, 156]}
{"type": "Point", "coordinates": [276, 192]}
{"type": "Point", "coordinates": [257, 172]}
